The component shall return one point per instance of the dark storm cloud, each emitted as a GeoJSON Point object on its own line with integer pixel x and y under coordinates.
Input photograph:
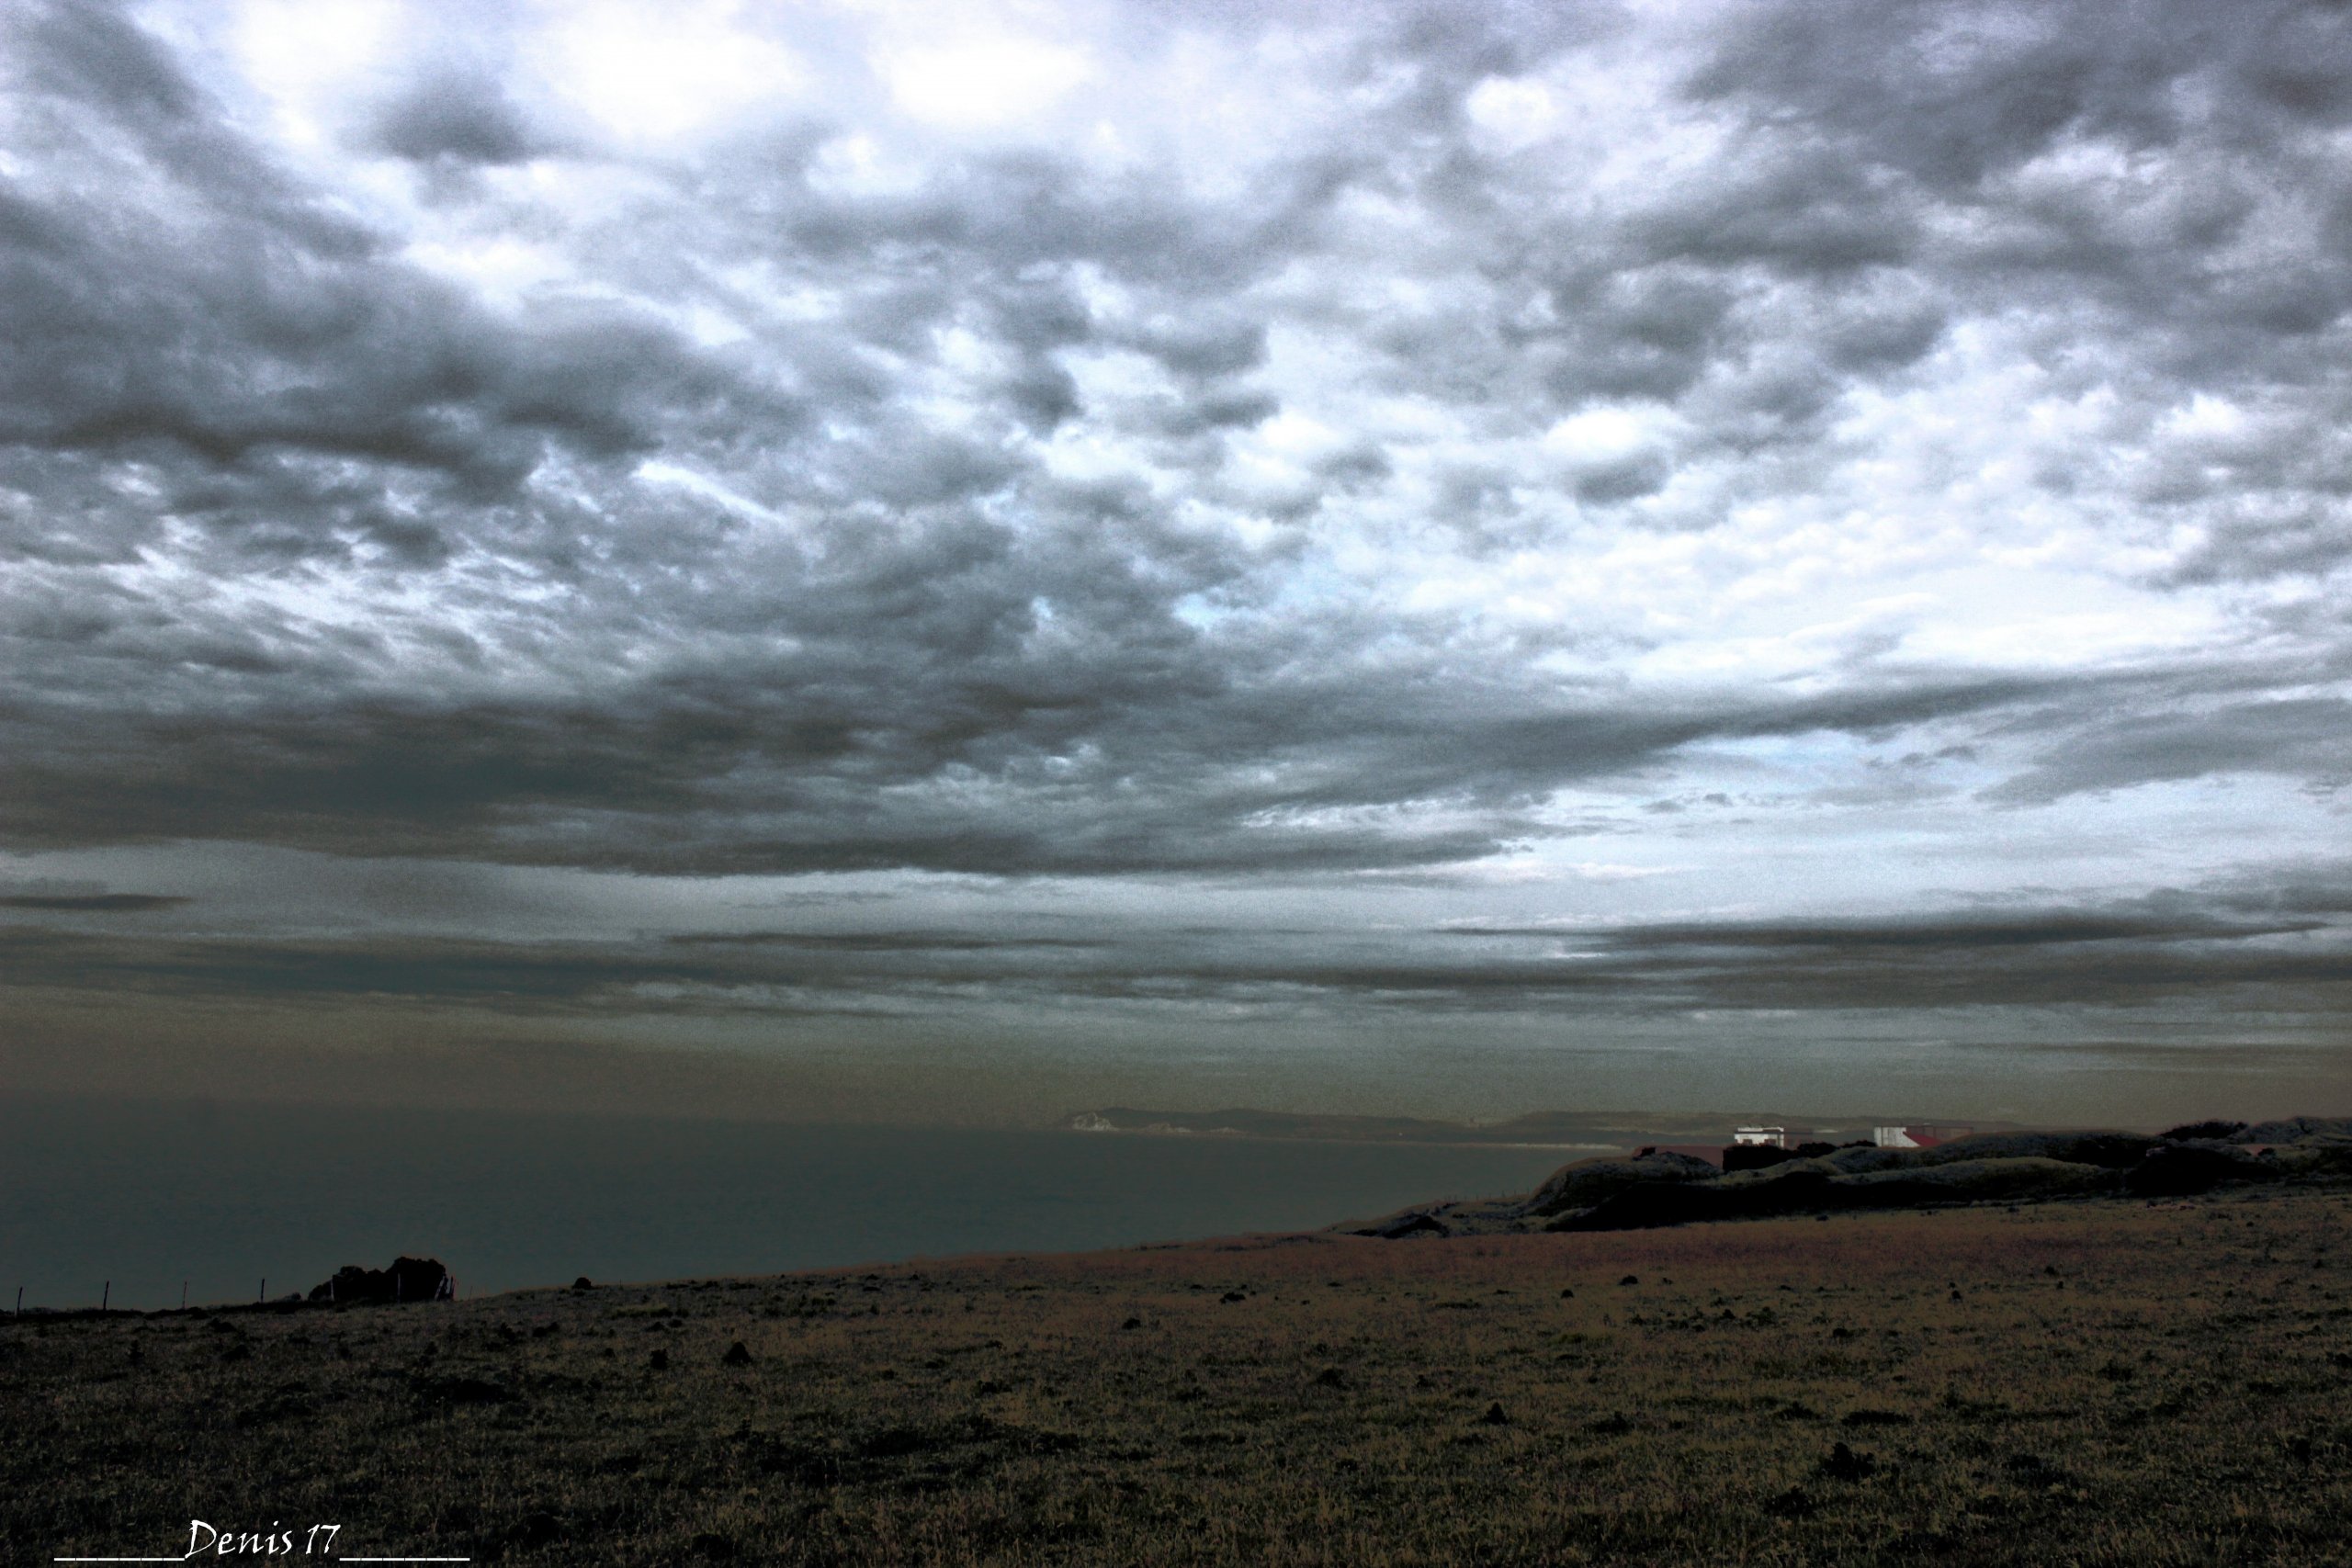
{"type": "Point", "coordinates": [460, 117]}
{"type": "Point", "coordinates": [861, 632]}
{"type": "Point", "coordinates": [829, 764]}
{"type": "Point", "coordinates": [2301, 739]}
{"type": "Point", "coordinates": [2145, 951]}
{"type": "Point", "coordinates": [281, 371]}
{"type": "Point", "coordinates": [2130, 956]}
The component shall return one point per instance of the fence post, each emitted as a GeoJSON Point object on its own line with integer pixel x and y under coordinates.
{"type": "Point", "coordinates": [106, 1295]}
{"type": "Point", "coordinates": [183, 1295]}
{"type": "Point", "coordinates": [262, 1294]}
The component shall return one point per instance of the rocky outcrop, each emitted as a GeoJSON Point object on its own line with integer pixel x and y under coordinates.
{"type": "Point", "coordinates": [1590, 1181]}
{"type": "Point", "coordinates": [2298, 1130]}
{"type": "Point", "coordinates": [408, 1280]}
{"type": "Point", "coordinates": [2109, 1151]}
{"type": "Point", "coordinates": [1665, 1188]}
{"type": "Point", "coordinates": [1815, 1187]}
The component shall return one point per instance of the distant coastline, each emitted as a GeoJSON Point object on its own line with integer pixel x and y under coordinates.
{"type": "Point", "coordinates": [1542, 1129]}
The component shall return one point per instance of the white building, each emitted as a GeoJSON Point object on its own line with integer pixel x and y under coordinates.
{"type": "Point", "coordinates": [1768, 1137]}
{"type": "Point", "coordinates": [1918, 1136]}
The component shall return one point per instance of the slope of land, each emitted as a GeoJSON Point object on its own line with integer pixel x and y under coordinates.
{"type": "Point", "coordinates": [2105, 1382]}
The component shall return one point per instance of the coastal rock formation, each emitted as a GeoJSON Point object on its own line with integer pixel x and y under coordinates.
{"type": "Point", "coordinates": [1668, 1187]}
{"type": "Point", "coordinates": [1590, 1181]}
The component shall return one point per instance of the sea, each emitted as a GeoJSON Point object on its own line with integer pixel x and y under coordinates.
{"type": "Point", "coordinates": [144, 1204]}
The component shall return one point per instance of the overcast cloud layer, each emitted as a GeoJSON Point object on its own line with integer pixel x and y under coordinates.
{"type": "Point", "coordinates": [1236, 522]}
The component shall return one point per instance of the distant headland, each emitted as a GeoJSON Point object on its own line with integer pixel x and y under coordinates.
{"type": "Point", "coordinates": [1541, 1129]}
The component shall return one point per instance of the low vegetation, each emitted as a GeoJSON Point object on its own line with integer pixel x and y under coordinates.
{"type": "Point", "coordinates": [2110, 1381]}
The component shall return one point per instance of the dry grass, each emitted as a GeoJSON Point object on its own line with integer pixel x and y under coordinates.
{"type": "Point", "coordinates": [2101, 1383]}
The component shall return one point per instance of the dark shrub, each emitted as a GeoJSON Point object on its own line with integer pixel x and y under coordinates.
{"type": "Point", "coordinates": [1845, 1464]}
{"type": "Point", "coordinates": [1875, 1418]}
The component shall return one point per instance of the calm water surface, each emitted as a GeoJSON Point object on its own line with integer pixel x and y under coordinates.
{"type": "Point", "coordinates": [148, 1196]}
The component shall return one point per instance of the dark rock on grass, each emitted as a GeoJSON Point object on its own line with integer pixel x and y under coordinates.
{"type": "Point", "coordinates": [712, 1547]}
{"type": "Point", "coordinates": [1844, 1464]}
{"type": "Point", "coordinates": [1874, 1418]}
{"type": "Point", "coordinates": [1495, 1415]}
{"type": "Point", "coordinates": [1231, 1296]}
{"type": "Point", "coordinates": [535, 1530]}
{"type": "Point", "coordinates": [1331, 1377]}
{"type": "Point", "coordinates": [1132, 1322]}
{"type": "Point", "coordinates": [1631, 1280]}
{"type": "Point", "coordinates": [1616, 1424]}
{"type": "Point", "coordinates": [659, 1361]}
{"type": "Point", "coordinates": [2181, 1170]}
{"type": "Point", "coordinates": [738, 1355]}
{"type": "Point", "coordinates": [1794, 1504]}
{"type": "Point", "coordinates": [582, 1283]}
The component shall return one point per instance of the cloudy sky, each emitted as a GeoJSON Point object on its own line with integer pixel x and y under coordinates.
{"type": "Point", "coordinates": [895, 558]}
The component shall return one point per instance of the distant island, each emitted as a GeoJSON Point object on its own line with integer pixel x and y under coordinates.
{"type": "Point", "coordinates": [1541, 1129]}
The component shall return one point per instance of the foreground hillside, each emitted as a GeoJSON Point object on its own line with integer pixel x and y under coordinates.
{"type": "Point", "coordinates": [2105, 1382]}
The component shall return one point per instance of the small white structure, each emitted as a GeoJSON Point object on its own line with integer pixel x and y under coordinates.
{"type": "Point", "coordinates": [1765, 1137]}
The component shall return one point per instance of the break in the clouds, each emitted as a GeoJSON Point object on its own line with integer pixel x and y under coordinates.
{"type": "Point", "coordinates": [1206, 510]}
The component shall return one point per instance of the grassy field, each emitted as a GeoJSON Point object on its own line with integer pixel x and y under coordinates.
{"type": "Point", "coordinates": [2103, 1383]}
